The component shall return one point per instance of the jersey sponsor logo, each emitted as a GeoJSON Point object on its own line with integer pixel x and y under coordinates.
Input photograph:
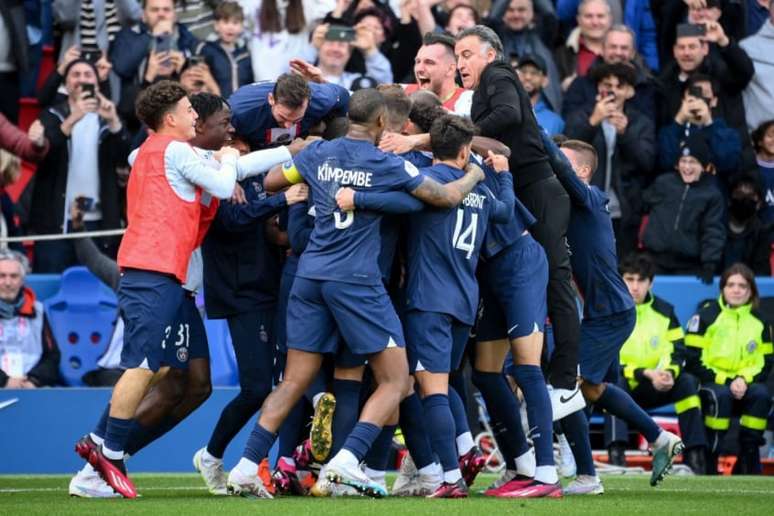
{"type": "Point", "coordinates": [562, 399]}
{"type": "Point", "coordinates": [327, 173]}
{"type": "Point", "coordinates": [182, 354]}
{"type": "Point", "coordinates": [693, 323]}
{"type": "Point", "coordinates": [474, 200]}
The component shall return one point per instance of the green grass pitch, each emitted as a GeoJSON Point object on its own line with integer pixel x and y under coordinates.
{"type": "Point", "coordinates": [183, 495]}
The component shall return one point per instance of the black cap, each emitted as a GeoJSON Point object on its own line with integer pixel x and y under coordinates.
{"type": "Point", "coordinates": [696, 146]}
{"type": "Point", "coordinates": [535, 60]}
{"type": "Point", "coordinates": [363, 83]}
{"type": "Point", "coordinates": [689, 30]}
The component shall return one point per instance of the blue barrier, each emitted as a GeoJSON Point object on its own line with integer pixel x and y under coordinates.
{"type": "Point", "coordinates": [38, 429]}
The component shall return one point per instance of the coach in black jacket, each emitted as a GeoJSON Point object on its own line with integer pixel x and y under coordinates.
{"type": "Point", "coordinates": [502, 110]}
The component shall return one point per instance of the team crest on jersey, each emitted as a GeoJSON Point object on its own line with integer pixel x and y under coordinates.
{"type": "Point", "coordinates": [654, 342]}
{"type": "Point", "coordinates": [752, 346]}
{"type": "Point", "coordinates": [693, 323]}
{"type": "Point", "coordinates": [263, 335]}
{"type": "Point", "coordinates": [182, 354]}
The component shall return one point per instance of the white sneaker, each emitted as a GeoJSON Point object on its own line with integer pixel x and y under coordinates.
{"type": "Point", "coordinates": [566, 463]}
{"type": "Point", "coordinates": [88, 484]}
{"type": "Point", "coordinates": [324, 487]}
{"type": "Point", "coordinates": [342, 472]}
{"type": "Point", "coordinates": [584, 485]}
{"type": "Point", "coordinates": [565, 401]}
{"type": "Point", "coordinates": [506, 476]}
{"type": "Point", "coordinates": [404, 482]}
{"type": "Point", "coordinates": [212, 473]}
{"type": "Point", "coordinates": [250, 486]}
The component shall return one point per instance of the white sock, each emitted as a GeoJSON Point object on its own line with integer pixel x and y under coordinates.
{"type": "Point", "coordinates": [374, 474]}
{"type": "Point", "coordinates": [346, 457]}
{"type": "Point", "coordinates": [208, 457]}
{"type": "Point", "coordinates": [316, 398]}
{"type": "Point", "coordinates": [112, 454]}
{"type": "Point", "coordinates": [431, 470]}
{"type": "Point", "coordinates": [662, 440]}
{"type": "Point", "coordinates": [247, 467]}
{"type": "Point", "coordinates": [464, 443]}
{"type": "Point", "coordinates": [525, 464]}
{"type": "Point", "coordinates": [97, 439]}
{"type": "Point", "coordinates": [546, 474]}
{"type": "Point", "coordinates": [451, 477]}
{"type": "Point", "coordinates": [88, 469]}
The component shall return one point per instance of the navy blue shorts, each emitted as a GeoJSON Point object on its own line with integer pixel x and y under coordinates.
{"type": "Point", "coordinates": [186, 339]}
{"type": "Point", "coordinates": [435, 342]}
{"type": "Point", "coordinates": [601, 340]}
{"type": "Point", "coordinates": [363, 315]}
{"type": "Point", "coordinates": [148, 303]}
{"type": "Point", "coordinates": [513, 287]}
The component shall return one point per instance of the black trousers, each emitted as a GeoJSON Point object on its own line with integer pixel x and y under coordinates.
{"type": "Point", "coordinates": [684, 394]}
{"type": "Point", "coordinates": [547, 200]}
{"type": "Point", "coordinates": [9, 100]}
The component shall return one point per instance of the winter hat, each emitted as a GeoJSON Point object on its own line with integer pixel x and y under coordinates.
{"type": "Point", "coordinates": [696, 146]}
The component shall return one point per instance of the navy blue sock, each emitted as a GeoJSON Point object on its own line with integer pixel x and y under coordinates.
{"type": "Point", "coordinates": [533, 386]}
{"type": "Point", "coordinates": [503, 408]}
{"type": "Point", "coordinates": [347, 393]}
{"type": "Point", "coordinates": [576, 429]}
{"type": "Point", "coordinates": [439, 418]}
{"type": "Point", "coordinates": [291, 428]}
{"type": "Point", "coordinates": [379, 455]}
{"type": "Point", "coordinates": [412, 424]}
{"type": "Point", "coordinates": [458, 412]}
{"type": "Point", "coordinates": [361, 439]}
{"type": "Point", "coordinates": [617, 402]}
{"type": "Point", "coordinates": [117, 432]}
{"type": "Point", "coordinates": [141, 436]}
{"type": "Point", "coordinates": [258, 444]}
{"type": "Point", "coordinates": [101, 429]}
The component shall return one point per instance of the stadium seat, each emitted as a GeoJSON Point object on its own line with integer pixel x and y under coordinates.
{"type": "Point", "coordinates": [81, 315]}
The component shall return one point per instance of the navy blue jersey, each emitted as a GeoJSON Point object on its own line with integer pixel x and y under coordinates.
{"type": "Point", "coordinates": [592, 242]}
{"type": "Point", "coordinates": [253, 121]}
{"type": "Point", "coordinates": [418, 158]}
{"type": "Point", "coordinates": [443, 249]}
{"type": "Point", "coordinates": [345, 246]}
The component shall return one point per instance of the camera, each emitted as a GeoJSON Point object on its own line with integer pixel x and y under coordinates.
{"type": "Point", "coordinates": [340, 33]}
{"type": "Point", "coordinates": [85, 204]}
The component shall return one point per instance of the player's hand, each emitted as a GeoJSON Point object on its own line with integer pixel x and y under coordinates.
{"type": "Point", "coordinates": [307, 70]}
{"type": "Point", "coordinates": [296, 193]}
{"type": "Point", "coordinates": [224, 152]}
{"type": "Point", "coordinates": [396, 143]}
{"type": "Point", "coordinates": [345, 198]}
{"type": "Point", "coordinates": [738, 388]}
{"type": "Point", "coordinates": [497, 162]}
{"type": "Point", "coordinates": [475, 171]}
{"type": "Point", "coordinates": [37, 133]}
{"type": "Point", "coordinates": [300, 144]}
{"type": "Point", "coordinates": [238, 196]}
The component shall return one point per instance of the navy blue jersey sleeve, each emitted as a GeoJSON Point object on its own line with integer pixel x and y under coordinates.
{"type": "Point", "coordinates": [578, 191]}
{"type": "Point", "coordinates": [502, 210]}
{"type": "Point", "coordinates": [259, 206]}
{"type": "Point", "coordinates": [300, 226]}
{"type": "Point", "coordinates": [388, 202]}
{"type": "Point", "coordinates": [327, 100]}
{"type": "Point", "coordinates": [407, 176]}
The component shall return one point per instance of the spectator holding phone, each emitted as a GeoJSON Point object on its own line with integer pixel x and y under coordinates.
{"type": "Point", "coordinates": [698, 114]}
{"type": "Point", "coordinates": [52, 92]}
{"type": "Point", "coordinates": [228, 58]}
{"type": "Point", "coordinates": [87, 142]}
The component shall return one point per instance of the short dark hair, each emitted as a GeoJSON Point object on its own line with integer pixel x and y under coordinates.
{"type": "Point", "coordinates": [156, 101]}
{"type": "Point", "coordinates": [365, 106]}
{"type": "Point", "coordinates": [207, 104]}
{"type": "Point", "coordinates": [625, 73]}
{"type": "Point", "coordinates": [449, 134]}
{"type": "Point", "coordinates": [426, 107]}
{"type": "Point", "coordinates": [696, 78]}
{"type": "Point", "coordinates": [398, 104]}
{"type": "Point", "coordinates": [584, 149]}
{"type": "Point", "coordinates": [759, 133]}
{"type": "Point", "coordinates": [749, 276]}
{"type": "Point", "coordinates": [229, 11]}
{"type": "Point", "coordinates": [291, 90]}
{"type": "Point", "coordinates": [439, 38]}
{"type": "Point", "coordinates": [638, 263]}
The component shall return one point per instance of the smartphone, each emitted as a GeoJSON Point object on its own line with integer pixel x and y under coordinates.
{"type": "Point", "coordinates": [196, 60]}
{"type": "Point", "coordinates": [91, 56]}
{"type": "Point", "coordinates": [610, 95]}
{"type": "Point", "coordinates": [164, 43]}
{"type": "Point", "coordinates": [90, 89]}
{"type": "Point", "coordinates": [702, 29]}
{"type": "Point", "coordinates": [696, 91]}
{"type": "Point", "coordinates": [85, 204]}
{"type": "Point", "coordinates": [340, 33]}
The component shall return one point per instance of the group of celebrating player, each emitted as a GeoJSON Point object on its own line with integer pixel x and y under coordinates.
{"type": "Point", "coordinates": [415, 242]}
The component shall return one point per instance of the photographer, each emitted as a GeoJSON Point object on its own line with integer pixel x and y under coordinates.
{"type": "Point", "coordinates": [697, 115]}
{"type": "Point", "coordinates": [87, 142]}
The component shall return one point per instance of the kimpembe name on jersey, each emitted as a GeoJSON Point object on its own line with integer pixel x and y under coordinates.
{"type": "Point", "coordinates": [343, 177]}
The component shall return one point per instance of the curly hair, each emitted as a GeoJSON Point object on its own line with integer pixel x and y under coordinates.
{"type": "Point", "coordinates": [156, 101]}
